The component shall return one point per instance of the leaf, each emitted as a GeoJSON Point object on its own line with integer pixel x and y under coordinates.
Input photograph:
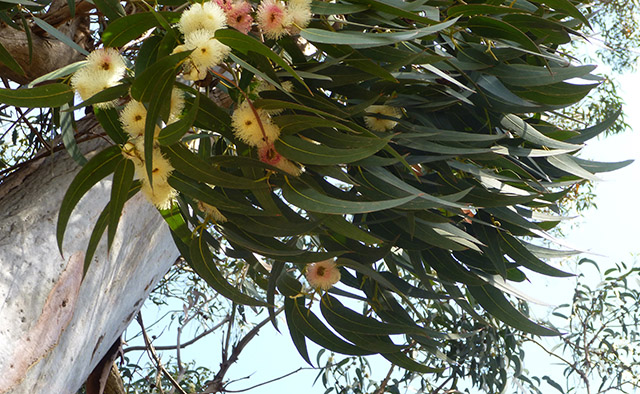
{"type": "Point", "coordinates": [521, 255]}
{"type": "Point", "coordinates": [311, 200]}
{"type": "Point", "coordinates": [389, 8]}
{"type": "Point", "coordinates": [306, 152]}
{"type": "Point", "coordinates": [596, 130]}
{"type": "Point", "coordinates": [322, 8]}
{"type": "Point", "coordinates": [100, 226]}
{"type": "Point", "coordinates": [122, 30]}
{"type": "Point", "coordinates": [245, 43]}
{"type": "Point", "coordinates": [494, 28]}
{"type": "Point", "coordinates": [110, 122]}
{"type": "Point", "coordinates": [527, 75]}
{"type": "Point", "coordinates": [67, 129]}
{"type": "Point", "coordinates": [187, 162]}
{"type": "Point", "coordinates": [358, 39]}
{"type": "Point", "coordinates": [405, 362]}
{"type": "Point", "coordinates": [9, 61]}
{"type": "Point", "coordinates": [297, 337]}
{"type": "Point", "coordinates": [112, 9]}
{"type": "Point", "coordinates": [203, 264]}
{"type": "Point", "coordinates": [120, 185]}
{"type": "Point", "coordinates": [499, 307]}
{"type": "Point", "coordinates": [311, 327]}
{"type": "Point", "coordinates": [52, 95]}
{"type": "Point", "coordinates": [108, 94]}
{"type": "Point", "coordinates": [567, 164]}
{"type": "Point", "coordinates": [568, 7]}
{"type": "Point", "coordinates": [59, 73]}
{"type": "Point", "coordinates": [174, 131]}
{"type": "Point", "coordinates": [59, 35]}
{"type": "Point", "coordinates": [529, 133]}
{"type": "Point", "coordinates": [96, 169]}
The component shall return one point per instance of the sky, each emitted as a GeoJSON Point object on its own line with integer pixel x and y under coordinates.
{"type": "Point", "coordinates": [609, 233]}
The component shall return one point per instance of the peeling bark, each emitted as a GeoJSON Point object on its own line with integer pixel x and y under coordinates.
{"type": "Point", "coordinates": [69, 337]}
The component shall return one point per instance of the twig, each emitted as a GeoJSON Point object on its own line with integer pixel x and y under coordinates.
{"type": "Point", "coordinates": [383, 385]}
{"type": "Point", "coordinates": [182, 345]}
{"type": "Point", "coordinates": [268, 381]}
{"type": "Point", "coordinates": [573, 366]}
{"type": "Point", "coordinates": [216, 386]}
{"type": "Point", "coordinates": [437, 389]}
{"type": "Point", "coordinates": [155, 357]}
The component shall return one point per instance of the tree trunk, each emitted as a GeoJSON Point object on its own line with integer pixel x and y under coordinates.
{"type": "Point", "coordinates": [55, 326]}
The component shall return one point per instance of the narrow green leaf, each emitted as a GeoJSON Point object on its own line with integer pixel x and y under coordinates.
{"type": "Point", "coordinates": [59, 35]}
{"type": "Point", "coordinates": [110, 122]}
{"type": "Point", "coordinates": [527, 132]}
{"type": "Point", "coordinates": [245, 43]}
{"type": "Point", "coordinates": [112, 9]}
{"type": "Point", "coordinates": [59, 73]}
{"type": "Point", "coordinates": [596, 130]}
{"type": "Point", "coordinates": [322, 8]}
{"type": "Point", "coordinates": [527, 75]}
{"type": "Point", "coordinates": [174, 131]}
{"type": "Point", "coordinates": [105, 95]}
{"type": "Point", "coordinates": [521, 255]}
{"type": "Point", "coordinates": [96, 169]}
{"type": "Point", "coordinates": [9, 61]}
{"type": "Point", "coordinates": [52, 95]}
{"type": "Point", "coordinates": [67, 129]}
{"type": "Point", "coordinates": [187, 162]}
{"type": "Point", "coordinates": [566, 6]}
{"type": "Point", "coordinates": [405, 362]}
{"type": "Point", "coordinates": [499, 307]}
{"type": "Point", "coordinates": [203, 264]}
{"type": "Point", "coordinates": [297, 337]}
{"type": "Point", "coordinates": [120, 185]}
{"type": "Point", "coordinates": [313, 328]}
{"type": "Point", "coordinates": [566, 163]}
{"type": "Point", "coordinates": [311, 200]}
{"type": "Point", "coordinates": [358, 39]}
{"type": "Point", "coordinates": [306, 152]}
{"type": "Point", "coordinates": [100, 227]}
{"type": "Point", "coordinates": [122, 30]}
{"type": "Point", "coordinates": [495, 28]}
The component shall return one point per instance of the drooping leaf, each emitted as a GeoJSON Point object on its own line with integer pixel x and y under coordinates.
{"type": "Point", "coordinates": [120, 185]}
{"type": "Point", "coordinates": [52, 95]}
{"type": "Point", "coordinates": [122, 30]}
{"type": "Point", "coordinates": [96, 169]}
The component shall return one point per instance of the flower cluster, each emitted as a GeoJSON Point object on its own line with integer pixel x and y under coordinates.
{"type": "Point", "coordinates": [323, 274]}
{"type": "Point", "coordinates": [133, 117]}
{"type": "Point", "coordinates": [255, 127]}
{"type": "Point", "coordinates": [104, 68]}
{"type": "Point", "coordinates": [277, 19]}
{"type": "Point", "coordinates": [199, 24]}
{"type": "Point", "coordinates": [379, 123]}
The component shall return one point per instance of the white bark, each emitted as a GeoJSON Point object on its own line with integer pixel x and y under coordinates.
{"type": "Point", "coordinates": [54, 330]}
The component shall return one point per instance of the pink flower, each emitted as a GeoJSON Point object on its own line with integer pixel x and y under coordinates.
{"type": "Point", "coordinates": [323, 274]}
{"type": "Point", "coordinates": [273, 18]}
{"type": "Point", "coordinates": [224, 4]}
{"type": "Point", "coordinates": [239, 16]}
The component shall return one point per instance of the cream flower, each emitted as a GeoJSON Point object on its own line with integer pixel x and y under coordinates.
{"type": "Point", "coordinates": [133, 117]}
{"type": "Point", "coordinates": [273, 18]}
{"type": "Point", "coordinates": [161, 194]}
{"type": "Point", "coordinates": [161, 171]}
{"type": "Point", "coordinates": [299, 15]}
{"type": "Point", "coordinates": [381, 124]}
{"type": "Point", "coordinates": [247, 128]}
{"type": "Point", "coordinates": [104, 68]}
{"type": "Point", "coordinates": [323, 274]}
{"type": "Point", "coordinates": [207, 52]}
{"type": "Point", "coordinates": [177, 105]}
{"type": "Point", "coordinates": [207, 16]}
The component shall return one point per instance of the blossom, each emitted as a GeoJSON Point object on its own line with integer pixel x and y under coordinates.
{"type": "Point", "coordinates": [273, 18]}
{"type": "Point", "coordinates": [161, 194]}
{"type": "Point", "coordinates": [226, 5]}
{"type": "Point", "coordinates": [133, 117]}
{"type": "Point", "coordinates": [176, 105]}
{"type": "Point", "coordinates": [299, 15]}
{"type": "Point", "coordinates": [103, 69]}
{"type": "Point", "coordinates": [212, 212]}
{"type": "Point", "coordinates": [207, 16]}
{"type": "Point", "coordinates": [381, 124]}
{"type": "Point", "coordinates": [239, 16]}
{"type": "Point", "coordinates": [253, 131]}
{"type": "Point", "coordinates": [269, 155]}
{"type": "Point", "coordinates": [323, 274]}
{"type": "Point", "coordinates": [161, 167]}
{"type": "Point", "coordinates": [207, 52]}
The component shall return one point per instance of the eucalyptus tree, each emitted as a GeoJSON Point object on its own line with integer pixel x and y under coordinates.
{"type": "Point", "coordinates": [387, 165]}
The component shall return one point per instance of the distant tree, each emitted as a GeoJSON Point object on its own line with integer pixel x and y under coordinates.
{"type": "Point", "coordinates": [387, 165]}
